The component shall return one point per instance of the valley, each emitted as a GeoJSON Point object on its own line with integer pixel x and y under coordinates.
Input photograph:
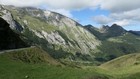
{"type": "Point", "coordinates": [29, 62]}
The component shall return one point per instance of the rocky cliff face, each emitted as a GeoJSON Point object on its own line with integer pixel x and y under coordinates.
{"type": "Point", "coordinates": [114, 30]}
{"type": "Point", "coordinates": [104, 29]}
{"type": "Point", "coordinates": [6, 15]}
{"type": "Point", "coordinates": [59, 20]}
{"type": "Point", "coordinates": [50, 30]}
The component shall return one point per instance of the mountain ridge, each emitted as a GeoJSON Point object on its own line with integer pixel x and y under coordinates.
{"type": "Point", "coordinates": [52, 31]}
{"type": "Point", "coordinates": [64, 38]}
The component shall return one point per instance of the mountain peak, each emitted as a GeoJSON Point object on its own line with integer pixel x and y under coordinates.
{"type": "Point", "coordinates": [115, 25]}
{"type": "Point", "coordinates": [104, 28]}
{"type": "Point", "coordinates": [117, 28]}
{"type": "Point", "coordinates": [90, 26]}
{"type": "Point", "coordinates": [111, 31]}
{"type": "Point", "coordinates": [58, 19]}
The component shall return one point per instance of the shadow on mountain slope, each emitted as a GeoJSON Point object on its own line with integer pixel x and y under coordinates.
{"type": "Point", "coordinates": [8, 38]}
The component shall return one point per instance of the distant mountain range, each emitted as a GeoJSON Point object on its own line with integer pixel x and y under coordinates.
{"type": "Point", "coordinates": [135, 32]}
{"type": "Point", "coordinates": [106, 31]}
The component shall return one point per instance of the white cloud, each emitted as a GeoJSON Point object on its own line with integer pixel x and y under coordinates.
{"type": "Point", "coordinates": [123, 12]}
{"type": "Point", "coordinates": [102, 19]}
{"type": "Point", "coordinates": [122, 22]}
{"type": "Point", "coordinates": [22, 2]}
{"type": "Point", "coordinates": [120, 5]}
{"type": "Point", "coordinates": [63, 11]}
{"type": "Point", "coordinates": [60, 4]}
{"type": "Point", "coordinates": [66, 4]}
{"type": "Point", "coordinates": [129, 18]}
{"type": "Point", "coordinates": [111, 5]}
{"type": "Point", "coordinates": [72, 4]}
{"type": "Point", "coordinates": [130, 15]}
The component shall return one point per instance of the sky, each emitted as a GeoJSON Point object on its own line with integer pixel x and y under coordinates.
{"type": "Point", "coordinates": [125, 13]}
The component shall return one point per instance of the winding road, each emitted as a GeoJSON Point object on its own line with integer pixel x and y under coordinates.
{"type": "Point", "coordinates": [11, 50]}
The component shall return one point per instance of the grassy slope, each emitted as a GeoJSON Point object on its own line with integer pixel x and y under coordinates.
{"type": "Point", "coordinates": [37, 64]}
{"type": "Point", "coordinates": [124, 67]}
{"type": "Point", "coordinates": [123, 61]}
{"type": "Point", "coordinates": [29, 55]}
